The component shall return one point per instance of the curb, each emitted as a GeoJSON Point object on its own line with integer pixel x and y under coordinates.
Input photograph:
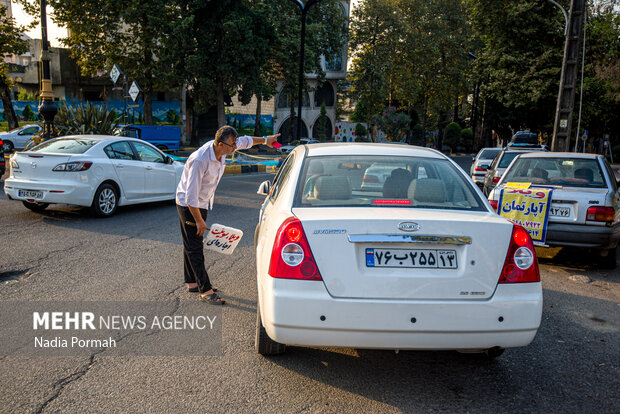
{"type": "Point", "coordinates": [246, 168]}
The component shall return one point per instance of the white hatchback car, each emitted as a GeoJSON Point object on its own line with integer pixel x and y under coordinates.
{"type": "Point", "coordinates": [18, 137]}
{"type": "Point", "coordinates": [101, 172]}
{"type": "Point", "coordinates": [423, 263]}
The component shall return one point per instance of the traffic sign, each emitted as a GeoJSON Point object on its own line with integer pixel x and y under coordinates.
{"type": "Point", "coordinates": [115, 73]}
{"type": "Point", "coordinates": [134, 91]}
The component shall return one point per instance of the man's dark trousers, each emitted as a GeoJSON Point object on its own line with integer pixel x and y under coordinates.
{"type": "Point", "coordinates": [193, 253]}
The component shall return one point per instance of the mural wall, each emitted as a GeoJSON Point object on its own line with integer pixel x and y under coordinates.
{"type": "Point", "coordinates": [244, 124]}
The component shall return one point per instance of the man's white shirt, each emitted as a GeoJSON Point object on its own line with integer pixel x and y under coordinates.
{"type": "Point", "coordinates": [202, 174]}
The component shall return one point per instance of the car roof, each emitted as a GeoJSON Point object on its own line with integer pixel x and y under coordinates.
{"type": "Point", "coordinates": [363, 148]}
{"type": "Point", "coordinates": [101, 138]}
{"type": "Point", "coordinates": [545, 154]}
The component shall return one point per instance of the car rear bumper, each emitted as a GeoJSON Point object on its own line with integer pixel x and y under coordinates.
{"type": "Point", "coordinates": [73, 192]}
{"type": "Point", "coordinates": [580, 235]}
{"type": "Point", "coordinates": [303, 313]}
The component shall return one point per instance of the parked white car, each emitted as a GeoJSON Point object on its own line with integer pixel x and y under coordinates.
{"type": "Point", "coordinates": [585, 202]}
{"type": "Point", "coordinates": [423, 264]}
{"type": "Point", "coordinates": [18, 137]}
{"type": "Point", "coordinates": [480, 164]}
{"type": "Point", "coordinates": [101, 172]}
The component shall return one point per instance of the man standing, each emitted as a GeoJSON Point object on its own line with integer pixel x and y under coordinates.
{"type": "Point", "coordinates": [201, 175]}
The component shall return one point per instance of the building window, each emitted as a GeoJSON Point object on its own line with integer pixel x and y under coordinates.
{"type": "Point", "coordinates": [284, 102]}
{"type": "Point", "coordinates": [325, 94]}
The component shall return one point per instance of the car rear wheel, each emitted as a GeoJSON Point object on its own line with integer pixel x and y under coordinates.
{"type": "Point", "coordinates": [36, 207]}
{"type": "Point", "coordinates": [8, 146]}
{"type": "Point", "coordinates": [105, 201]}
{"type": "Point", "coordinates": [263, 344]}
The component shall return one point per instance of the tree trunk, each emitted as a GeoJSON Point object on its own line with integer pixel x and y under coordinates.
{"type": "Point", "coordinates": [148, 105]}
{"type": "Point", "coordinates": [221, 115]}
{"type": "Point", "coordinates": [257, 132]}
{"type": "Point", "coordinates": [9, 113]}
{"type": "Point", "coordinates": [292, 130]}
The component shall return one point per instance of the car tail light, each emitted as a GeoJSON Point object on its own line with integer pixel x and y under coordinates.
{"type": "Point", "coordinates": [521, 265]}
{"type": "Point", "coordinates": [73, 166]}
{"type": "Point", "coordinates": [480, 169]}
{"type": "Point", "coordinates": [493, 204]}
{"type": "Point", "coordinates": [291, 257]}
{"type": "Point", "coordinates": [597, 213]}
{"type": "Point", "coordinates": [496, 180]}
{"type": "Point", "coordinates": [369, 178]}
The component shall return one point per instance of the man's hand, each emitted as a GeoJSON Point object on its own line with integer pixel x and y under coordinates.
{"type": "Point", "coordinates": [201, 227]}
{"type": "Point", "coordinates": [271, 139]}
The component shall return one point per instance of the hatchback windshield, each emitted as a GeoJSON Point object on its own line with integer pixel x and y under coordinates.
{"type": "Point", "coordinates": [66, 146]}
{"type": "Point", "coordinates": [361, 181]}
{"type": "Point", "coordinates": [573, 172]}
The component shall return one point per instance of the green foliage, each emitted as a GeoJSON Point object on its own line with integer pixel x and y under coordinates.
{"type": "Point", "coordinates": [452, 134]}
{"type": "Point", "coordinates": [394, 124]}
{"type": "Point", "coordinates": [360, 130]}
{"type": "Point", "coordinates": [85, 119]}
{"type": "Point", "coordinates": [172, 117]}
{"type": "Point", "coordinates": [321, 124]}
{"type": "Point", "coordinates": [28, 114]}
{"type": "Point", "coordinates": [467, 136]}
{"type": "Point", "coordinates": [417, 135]}
{"type": "Point", "coordinates": [24, 95]}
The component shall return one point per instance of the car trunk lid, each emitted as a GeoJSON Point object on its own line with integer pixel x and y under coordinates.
{"type": "Point", "coordinates": [37, 166]}
{"type": "Point", "coordinates": [452, 255]}
{"type": "Point", "coordinates": [570, 205]}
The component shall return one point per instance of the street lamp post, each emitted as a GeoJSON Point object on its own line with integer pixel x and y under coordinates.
{"type": "Point", "coordinates": [47, 107]}
{"type": "Point", "coordinates": [304, 10]}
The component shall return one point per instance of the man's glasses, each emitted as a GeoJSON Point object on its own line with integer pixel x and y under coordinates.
{"type": "Point", "coordinates": [231, 146]}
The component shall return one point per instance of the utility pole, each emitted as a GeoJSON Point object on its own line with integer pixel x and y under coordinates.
{"type": "Point", "coordinates": [47, 108]}
{"type": "Point", "coordinates": [568, 78]}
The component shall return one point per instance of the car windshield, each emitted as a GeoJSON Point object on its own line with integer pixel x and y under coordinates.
{"type": "Point", "coordinates": [381, 181]}
{"type": "Point", "coordinates": [571, 172]}
{"type": "Point", "coordinates": [489, 154]}
{"type": "Point", "coordinates": [65, 146]}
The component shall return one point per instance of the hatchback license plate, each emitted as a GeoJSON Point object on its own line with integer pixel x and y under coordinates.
{"type": "Point", "coordinates": [416, 258]}
{"type": "Point", "coordinates": [30, 194]}
{"type": "Point", "coordinates": [559, 211]}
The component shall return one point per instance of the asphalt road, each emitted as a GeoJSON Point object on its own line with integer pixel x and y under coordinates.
{"type": "Point", "coordinates": [64, 254]}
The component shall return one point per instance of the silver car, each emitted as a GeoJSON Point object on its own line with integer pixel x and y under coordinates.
{"type": "Point", "coordinates": [585, 203]}
{"type": "Point", "coordinates": [18, 137]}
{"type": "Point", "coordinates": [480, 164]}
{"type": "Point", "coordinates": [501, 161]}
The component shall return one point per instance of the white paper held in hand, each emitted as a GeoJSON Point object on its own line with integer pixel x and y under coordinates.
{"type": "Point", "coordinates": [222, 239]}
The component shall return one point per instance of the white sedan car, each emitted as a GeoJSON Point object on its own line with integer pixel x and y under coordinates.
{"type": "Point", "coordinates": [101, 172]}
{"type": "Point", "coordinates": [423, 263]}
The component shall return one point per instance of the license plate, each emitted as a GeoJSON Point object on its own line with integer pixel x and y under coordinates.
{"type": "Point", "coordinates": [416, 258]}
{"type": "Point", "coordinates": [559, 211]}
{"type": "Point", "coordinates": [30, 194]}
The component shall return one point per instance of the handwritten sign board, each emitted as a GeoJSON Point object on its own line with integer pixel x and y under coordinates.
{"type": "Point", "coordinates": [527, 207]}
{"type": "Point", "coordinates": [222, 239]}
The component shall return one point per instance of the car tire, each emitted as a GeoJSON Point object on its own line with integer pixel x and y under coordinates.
{"type": "Point", "coordinates": [36, 207]}
{"type": "Point", "coordinates": [105, 201]}
{"type": "Point", "coordinates": [609, 260]}
{"type": "Point", "coordinates": [8, 147]}
{"type": "Point", "coordinates": [263, 344]}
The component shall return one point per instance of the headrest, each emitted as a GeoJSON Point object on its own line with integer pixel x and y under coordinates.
{"type": "Point", "coordinates": [584, 174]}
{"type": "Point", "coordinates": [539, 173]}
{"type": "Point", "coordinates": [333, 188]}
{"type": "Point", "coordinates": [316, 167]}
{"type": "Point", "coordinates": [427, 190]}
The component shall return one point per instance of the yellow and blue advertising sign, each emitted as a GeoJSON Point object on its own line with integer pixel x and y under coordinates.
{"type": "Point", "coordinates": [527, 207]}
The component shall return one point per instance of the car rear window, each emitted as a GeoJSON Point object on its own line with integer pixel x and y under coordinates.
{"type": "Point", "coordinates": [378, 181]}
{"type": "Point", "coordinates": [489, 154]}
{"type": "Point", "coordinates": [571, 172]}
{"type": "Point", "coordinates": [507, 159]}
{"type": "Point", "coordinates": [65, 146]}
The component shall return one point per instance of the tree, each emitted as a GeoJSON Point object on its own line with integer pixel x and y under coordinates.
{"type": "Point", "coordinates": [394, 124]}
{"type": "Point", "coordinates": [28, 114]}
{"type": "Point", "coordinates": [452, 135]}
{"type": "Point", "coordinates": [11, 42]}
{"type": "Point", "coordinates": [134, 35]}
{"type": "Point", "coordinates": [321, 124]}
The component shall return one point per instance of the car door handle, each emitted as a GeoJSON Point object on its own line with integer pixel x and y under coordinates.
{"type": "Point", "coordinates": [119, 166]}
{"type": "Point", "coordinates": [148, 167]}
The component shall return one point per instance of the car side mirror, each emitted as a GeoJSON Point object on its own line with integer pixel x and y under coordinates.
{"type": "Point", "coordinates": [169, 160]}
{"type": "Point", "coordinates": [264, 188]}
{"type": "Point", "coordinates": [473, 159]}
